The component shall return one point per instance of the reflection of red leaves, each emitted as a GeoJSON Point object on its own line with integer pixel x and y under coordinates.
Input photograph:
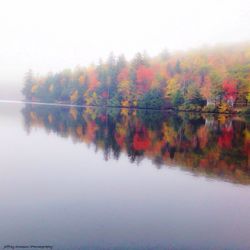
{"type": "Point", "coordinates": [204, 163]}
{"type": "Point", "coordinates": [120, 139]}
{"type": "Point", "coordinates": [225, 140]}
{"type": "Point", "coordinates": [247, 147]}
{"type": "Point", "coordinates": [166, 156]}
{"type": "Point", "coordinates": [91, 130]}
{"type": "Point", "coordinates": [103, 117]}
{"type": "Point", "coordinates": [185, 144]}
{"type": "Point", "coordinates": [141, 141]}
{"type": "Point", "coordinates": [203, 136]}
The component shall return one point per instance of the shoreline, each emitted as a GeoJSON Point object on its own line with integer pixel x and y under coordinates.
{"type": "Point", "coordinates": [120, 107]}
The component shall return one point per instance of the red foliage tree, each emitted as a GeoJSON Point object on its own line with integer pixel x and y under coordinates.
{"type": "Point", "coordinates": [230, 89]}
{"type": "Point", "coordinates": [93, 80]}
{"type": "Point", "coordinates": [144, 78]}
{"type": "Point", "coordinates": [104, 94]}
{"type": "Point", "coordinates": [123, 75]}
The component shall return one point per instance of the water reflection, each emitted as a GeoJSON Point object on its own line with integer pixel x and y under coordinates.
{"type": "Point", "coordinates": [217, 146]}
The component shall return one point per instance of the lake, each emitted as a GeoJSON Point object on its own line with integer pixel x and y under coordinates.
{"type": "Point", "coordinates": [92, 178]}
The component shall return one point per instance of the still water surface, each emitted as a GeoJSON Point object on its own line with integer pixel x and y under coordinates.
{"type": "Point", "coordinates": [82, 178]}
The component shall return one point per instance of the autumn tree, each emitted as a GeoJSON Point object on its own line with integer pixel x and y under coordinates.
{"type": "Point", "coordinates": [144, 78]}
{"type": "Point", "coordinates": [230, 90]}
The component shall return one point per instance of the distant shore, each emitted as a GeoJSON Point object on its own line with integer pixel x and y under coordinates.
{"type": "Point", "coordinates": [119, 107]}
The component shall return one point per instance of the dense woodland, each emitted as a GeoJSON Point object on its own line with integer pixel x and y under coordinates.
{"type": "Point", "coordinates": [211, 145]}
{"type": "Point", "coordinates": [212, 79]}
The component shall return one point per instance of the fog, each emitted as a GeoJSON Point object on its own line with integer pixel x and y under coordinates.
{"type": "Point", "coordinates": [52, 35]}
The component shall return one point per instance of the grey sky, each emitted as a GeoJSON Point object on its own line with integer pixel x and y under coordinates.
{"type": "Point", "coordinates": [49, 35]}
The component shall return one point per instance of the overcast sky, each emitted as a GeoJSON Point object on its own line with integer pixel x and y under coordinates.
{"type": "Point", "coordinates": [50, 35]}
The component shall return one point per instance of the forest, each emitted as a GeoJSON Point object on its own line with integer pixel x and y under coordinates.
{"type": "Point", "coordinates": [208, 79]}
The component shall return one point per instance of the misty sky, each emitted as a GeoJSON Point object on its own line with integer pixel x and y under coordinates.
{"type": "Point", "coordinates": [50, 35]}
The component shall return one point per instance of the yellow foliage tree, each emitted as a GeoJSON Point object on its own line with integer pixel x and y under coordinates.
{"type": "Point", "coordinates": [172, 87]}
{"type": "Point", "coordinates": [124, 88]}
{"type": "Point", "coordinates": [34, 88]}
{"type": "Point", "coordinates": [81, 79]}
{"type": "Point", "coordinates": [74, 96]}
{"type": "Point", "coordinates": [135, 102]}
{"type": "Point", "coordinates": [248, 97]}
{"type": "Point", "coordinates": [125, 103]}
{"type": "Point", "coordinates": [223, 107]}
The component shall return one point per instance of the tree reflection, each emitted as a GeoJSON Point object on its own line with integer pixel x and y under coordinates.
{"type": "Point", "coordinates": [216, 146]}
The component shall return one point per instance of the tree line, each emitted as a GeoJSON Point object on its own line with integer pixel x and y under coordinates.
{"type": "Point", "coordinates": [212, 79]}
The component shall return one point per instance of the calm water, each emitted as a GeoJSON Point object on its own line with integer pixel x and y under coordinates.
{"type": "Point", "coordinates": [78, 178]}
